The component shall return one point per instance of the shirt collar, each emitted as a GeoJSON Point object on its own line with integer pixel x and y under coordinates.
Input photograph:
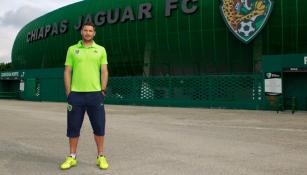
{"type": "Point", "coordinates": [80, 45]}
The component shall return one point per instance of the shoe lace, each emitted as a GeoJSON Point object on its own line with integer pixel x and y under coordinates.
{"type": "Point", "coordinates": [102, 159]}
{"type": "Point", "coordinates": [69, 160]}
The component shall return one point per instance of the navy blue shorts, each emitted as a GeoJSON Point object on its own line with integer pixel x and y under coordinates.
{"type": "Point", "coordinates": [92, 103]}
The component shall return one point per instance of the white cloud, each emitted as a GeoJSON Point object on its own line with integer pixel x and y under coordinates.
{"type": "Point", "coordinates": [15, 14]}
{"type": "Point", "coordinates": [21, 16]}
{"type": "Point", "coordinates": [7, 37]}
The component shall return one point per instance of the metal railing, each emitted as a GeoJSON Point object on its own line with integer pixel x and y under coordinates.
{"type": "Point", "coordinates": [9, 95]}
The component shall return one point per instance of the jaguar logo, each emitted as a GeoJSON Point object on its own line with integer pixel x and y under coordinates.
{"type": "Point", "coordinates": [246, 18]}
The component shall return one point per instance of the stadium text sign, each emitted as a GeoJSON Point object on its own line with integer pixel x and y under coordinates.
{"type": "Point", "coordinates": [113, 16]}
{"type": "Point", "coordinates": [305, 60]}
{"type": "Point", "coordinates": [9, 74]}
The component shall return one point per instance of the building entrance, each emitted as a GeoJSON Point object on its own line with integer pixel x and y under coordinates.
{"type": "Point", "coordinates": [9, 89]}
{"type": "Point", "coordinates": [294, 87]}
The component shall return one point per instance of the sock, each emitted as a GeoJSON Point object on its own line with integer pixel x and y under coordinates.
{"type": "Point", "coordinates": [73, 155]}
{"type": "Point", "coordinates": [100, 154]}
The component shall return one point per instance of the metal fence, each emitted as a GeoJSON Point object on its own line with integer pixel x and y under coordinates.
{"type": "Point", "coordinates": [244, 91]}
{"type": "Point", "coordinates": [225, 91]}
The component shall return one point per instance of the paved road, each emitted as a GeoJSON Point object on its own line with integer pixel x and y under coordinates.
{"type": "Point", "coordinates": [155, 141]}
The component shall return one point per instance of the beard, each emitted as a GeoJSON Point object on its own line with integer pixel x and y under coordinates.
{"type": "Point", "coordinates": [87, 38]}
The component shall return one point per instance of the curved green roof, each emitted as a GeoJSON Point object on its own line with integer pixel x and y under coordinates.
{"type": "Point", "coordinates": [144, 37]}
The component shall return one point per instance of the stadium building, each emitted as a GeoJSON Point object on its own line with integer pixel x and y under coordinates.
{"type": "Point", "coordinates": [245, 54]}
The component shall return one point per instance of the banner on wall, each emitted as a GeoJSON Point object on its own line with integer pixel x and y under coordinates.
{"type": "Point", "coordinates": [273, 84]}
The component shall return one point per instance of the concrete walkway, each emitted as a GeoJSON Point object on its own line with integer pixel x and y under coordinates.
{"type": "Point", "coordinates": [155, 141]}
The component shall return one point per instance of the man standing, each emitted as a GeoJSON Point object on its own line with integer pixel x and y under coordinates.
{"type": "Point", "coordinates": [86, 78]}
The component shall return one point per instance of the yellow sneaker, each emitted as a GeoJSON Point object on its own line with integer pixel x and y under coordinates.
{"type": "Point", "coordinates": [101, 161]}
{"type": "Point", "coordinates": [68, 163]}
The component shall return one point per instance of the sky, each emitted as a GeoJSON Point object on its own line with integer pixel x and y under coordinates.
{"type": "Point", "coordinates": [14, 14]}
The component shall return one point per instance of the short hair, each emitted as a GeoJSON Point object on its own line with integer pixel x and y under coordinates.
{"type": "Point", "coordinates": [88, 23]}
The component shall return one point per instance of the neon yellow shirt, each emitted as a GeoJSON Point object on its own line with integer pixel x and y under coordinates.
{"type": "Point", "coordinates": [86, 65]}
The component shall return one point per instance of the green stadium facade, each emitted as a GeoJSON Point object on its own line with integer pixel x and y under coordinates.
{"type": "Point", "coordinates": [171, 53]}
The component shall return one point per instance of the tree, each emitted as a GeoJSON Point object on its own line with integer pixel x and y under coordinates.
{"type": "Point", "coordinates": [5, 66]}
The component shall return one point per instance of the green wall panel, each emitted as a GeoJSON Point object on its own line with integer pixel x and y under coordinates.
{"type": "Point", "coordinates": [194, 44]}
